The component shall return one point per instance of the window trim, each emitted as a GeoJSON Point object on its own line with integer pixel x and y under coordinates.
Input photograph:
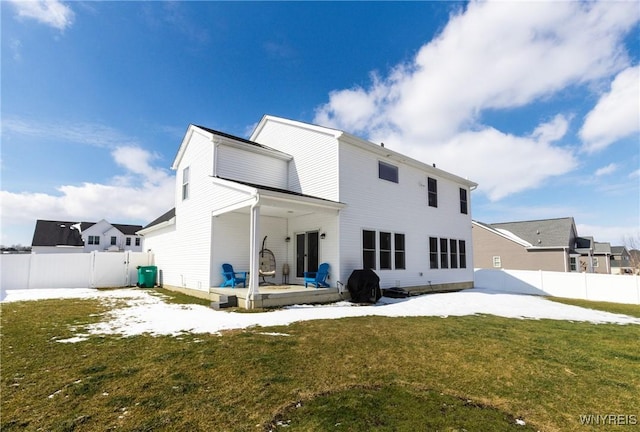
{"type": "Point", "coordinates": [464, 201]}
{"type": "Point", "coordinates": [388, 172]}
{"type": "Point", "coordinates": [434, 256]}
{"type": "Point", "coordinates": [366, 251]}
{"type": "Point", "coordinates": [386, 262]}
{"type": "Point", "coordinates": [432, 192]}
{"type": "Point", "coordinates": [186, 173]}
{"type": "Point", "coordinates": [399, 252]}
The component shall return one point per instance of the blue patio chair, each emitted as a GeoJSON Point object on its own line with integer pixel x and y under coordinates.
{"type": "Point", "coordinates": [317, 278]}
{"type": "Point", "coordinates": [230, 278]}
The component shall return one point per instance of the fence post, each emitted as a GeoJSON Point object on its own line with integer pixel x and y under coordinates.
{"type": "Point", "coordinates": [92, 269]}
{"type": "Point", "coordinates": [127, 261]}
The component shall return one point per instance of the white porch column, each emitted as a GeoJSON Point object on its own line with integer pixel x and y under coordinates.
{"type": "Point", "coordinates": [254, 249]}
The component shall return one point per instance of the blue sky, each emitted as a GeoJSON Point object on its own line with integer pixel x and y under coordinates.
{"type": "Point", "coordinates": [538, 102]}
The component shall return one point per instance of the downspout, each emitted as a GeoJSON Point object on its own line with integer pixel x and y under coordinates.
{"type": "Point", "coordinates": [254, 264]}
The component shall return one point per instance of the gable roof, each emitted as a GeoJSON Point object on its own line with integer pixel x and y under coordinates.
{"type": "Point", "coordinates": [558, 232]}
{"type": "Point", "coordinates": [228, 139]}
{"type": "Point", "coordinates": [364, 144]}
{"type": "Point", "coordinates": [164, 218]}
{"type": "Point", "coordinates": [56, 233]}
{"type": "Point", "coordinates": [127, 229]}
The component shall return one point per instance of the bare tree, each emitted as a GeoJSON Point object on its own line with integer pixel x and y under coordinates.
{"type": "Point", "coordinates": [632, 243]}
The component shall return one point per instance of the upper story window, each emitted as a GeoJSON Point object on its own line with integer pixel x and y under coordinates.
{"type": "Point", "coordinates": [128, 241]}
{"type": "Point", "coordinates": [432, 186]}
{"type": "Point", "coordinates": [137, 241]}
{"type": "Point", "coordinates": [94, 240]}
{"type": "Point", "coordinates": [387, 172]}
{"type": "Point", "coordinates": [463, 201]}
{"type": "Point", "coordinates": [185, 183]}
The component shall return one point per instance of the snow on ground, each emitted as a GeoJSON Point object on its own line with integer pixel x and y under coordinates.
{"type": "Point", "coordinates": [136, 311]}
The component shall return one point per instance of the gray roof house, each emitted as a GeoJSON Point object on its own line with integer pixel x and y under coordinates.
{"type": "Point", "coordinates": [68, 236]}
{"type": "Point", "coordinates": [546, 244]}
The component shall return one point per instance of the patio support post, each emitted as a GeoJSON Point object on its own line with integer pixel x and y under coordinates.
{"type": "Point", "coordinates": [254, 249]}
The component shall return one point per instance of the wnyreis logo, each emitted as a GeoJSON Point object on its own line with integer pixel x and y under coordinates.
{"type": "Point", "coordinates": [609, 419]}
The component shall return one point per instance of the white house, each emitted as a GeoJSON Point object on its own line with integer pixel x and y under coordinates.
{"type": "Point", "coordinates": [67, 237]}
{"type": "Point", "coordinates": [317, 195]}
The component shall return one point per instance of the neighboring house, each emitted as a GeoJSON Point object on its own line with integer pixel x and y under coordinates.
{"type": "Point", "coordinates": [69, 237]}
{"type": "Point", "coordinates": [621, 260]}
{"type": "Point", "coordinates": [317, 195]}
{"type": "Point", "coordinates": [548, 244]}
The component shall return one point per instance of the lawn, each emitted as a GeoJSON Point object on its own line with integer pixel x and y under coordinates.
{"type": "Point", "coordinates": [472, 373]}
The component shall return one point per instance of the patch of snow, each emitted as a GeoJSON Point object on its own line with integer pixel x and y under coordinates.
{"type": "Point", "coordinates": [137, 312]}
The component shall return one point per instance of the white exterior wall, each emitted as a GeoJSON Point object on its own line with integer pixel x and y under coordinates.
{"type": "Point", "coordinates": [162, 244]}
{"type": "Point", "coordinates": [191, 252]}
{"type": "Point", "coordinates": [380, 205]}
{"type": "Point", "coordinates": [328, 247]}
{"type": "Point", "coordinates": [236, 164]}
{"type": "Point", "coordinates": [231, 245]}
{"type": "Point", "coordinates": [314, 168]}
{"type": "Point", "coordinates": [105, 231]}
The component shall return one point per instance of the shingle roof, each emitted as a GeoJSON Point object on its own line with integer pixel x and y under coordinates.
{"type": "Point", "coordinates": [236, 138]}
{"type": "Point", "coordinates": [542, 233]}
{"type": "Point", "coordinates": [56, 233]}
{"type": "Point", "coordinates": [164, 218]}
{"type": "Point", "coordinates": [274, 189]}
{"type": "Point", "coordinates": [127, 229]}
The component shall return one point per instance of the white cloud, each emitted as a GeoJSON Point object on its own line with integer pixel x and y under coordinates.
{"type": "Point", "coordinates": [615, 235]}
{"type": "Point", "coordinates": [50, 12]}
{"type": "Point", "coordinates": [141, 195]}
{"type": "Point", "coordinates": [617, 113]}
{"type": "Point", "coordinates": [490, 56]}
{"type": "Point", "coordinates": [606, 170]}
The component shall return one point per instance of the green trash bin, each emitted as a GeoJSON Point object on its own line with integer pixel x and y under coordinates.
{"type": "Point", "coordinates": [147, 276]}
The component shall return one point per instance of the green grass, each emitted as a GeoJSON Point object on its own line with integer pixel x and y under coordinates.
{"type": "Point", "coordinates": [471, 373]}
{"type": "Point", "coordinates": [618, 308]}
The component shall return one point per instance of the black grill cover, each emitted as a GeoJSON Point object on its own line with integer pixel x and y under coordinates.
{"type": "Point", "coordinates": [364, 286]}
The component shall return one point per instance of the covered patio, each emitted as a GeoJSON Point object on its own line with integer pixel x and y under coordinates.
{"type": "Point", "coordinates": [299, 231]}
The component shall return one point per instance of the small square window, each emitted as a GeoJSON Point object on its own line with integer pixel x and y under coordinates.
{"type": "Point", "coordinates": [497, 262]}
{"type": "Point", "coordinates": [387, 172]}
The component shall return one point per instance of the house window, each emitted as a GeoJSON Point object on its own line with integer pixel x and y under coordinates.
{"type": "Point", "coordinates": [573, 264]}
{"type": "Point", "coordinates": [594, 261]}
{"type": "Point", "coordinates": [128, 241]}
{"type": "Point", "coordinates": [463, 201]}
{"type": "Point", "coordinates": [462, 249]}
{"type": "Point", "coordinates": [369, 249]}
{"type": "Point", "coordinates": [497, 262]}
{"type": "Point", "coordinates": [385, 251]}
{"type": "Point", "coordinates": [94, 240]}
{"type": "Point", "coordinates": [433, 252]}
{"type": "Point", "coordinates": [444, 261]}
{"type": "Point", "coordinates": [453, 253]}
{"type": "Point", "coordinates": [185, 183]}
{"type": "Point", "coordinates": [433, 192]}
{"type": "Point", "coordinates": [137, 241]}
{"type": "Point", "coordinates": [113, 241]}
{"type": "Point", "coordinates": [387, 172]}
{"type": "Point", "coordinates": [399, 254]}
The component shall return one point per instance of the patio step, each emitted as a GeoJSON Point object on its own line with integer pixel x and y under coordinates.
{"type": "Point", "coordinates": [220, 301]}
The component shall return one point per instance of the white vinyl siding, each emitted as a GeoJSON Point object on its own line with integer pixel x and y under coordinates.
{"type": "Point", "coordinates": [244, 165]}
{"type": "Point", "coordinates": [382, 206]}
{"type": "Point", "coordinates": [314, 168]}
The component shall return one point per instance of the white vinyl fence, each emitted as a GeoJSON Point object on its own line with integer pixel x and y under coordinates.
{"type": "Point", "coordinates": [587, 286]}
{"type": "Point", "coordinates": [71, 270]}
